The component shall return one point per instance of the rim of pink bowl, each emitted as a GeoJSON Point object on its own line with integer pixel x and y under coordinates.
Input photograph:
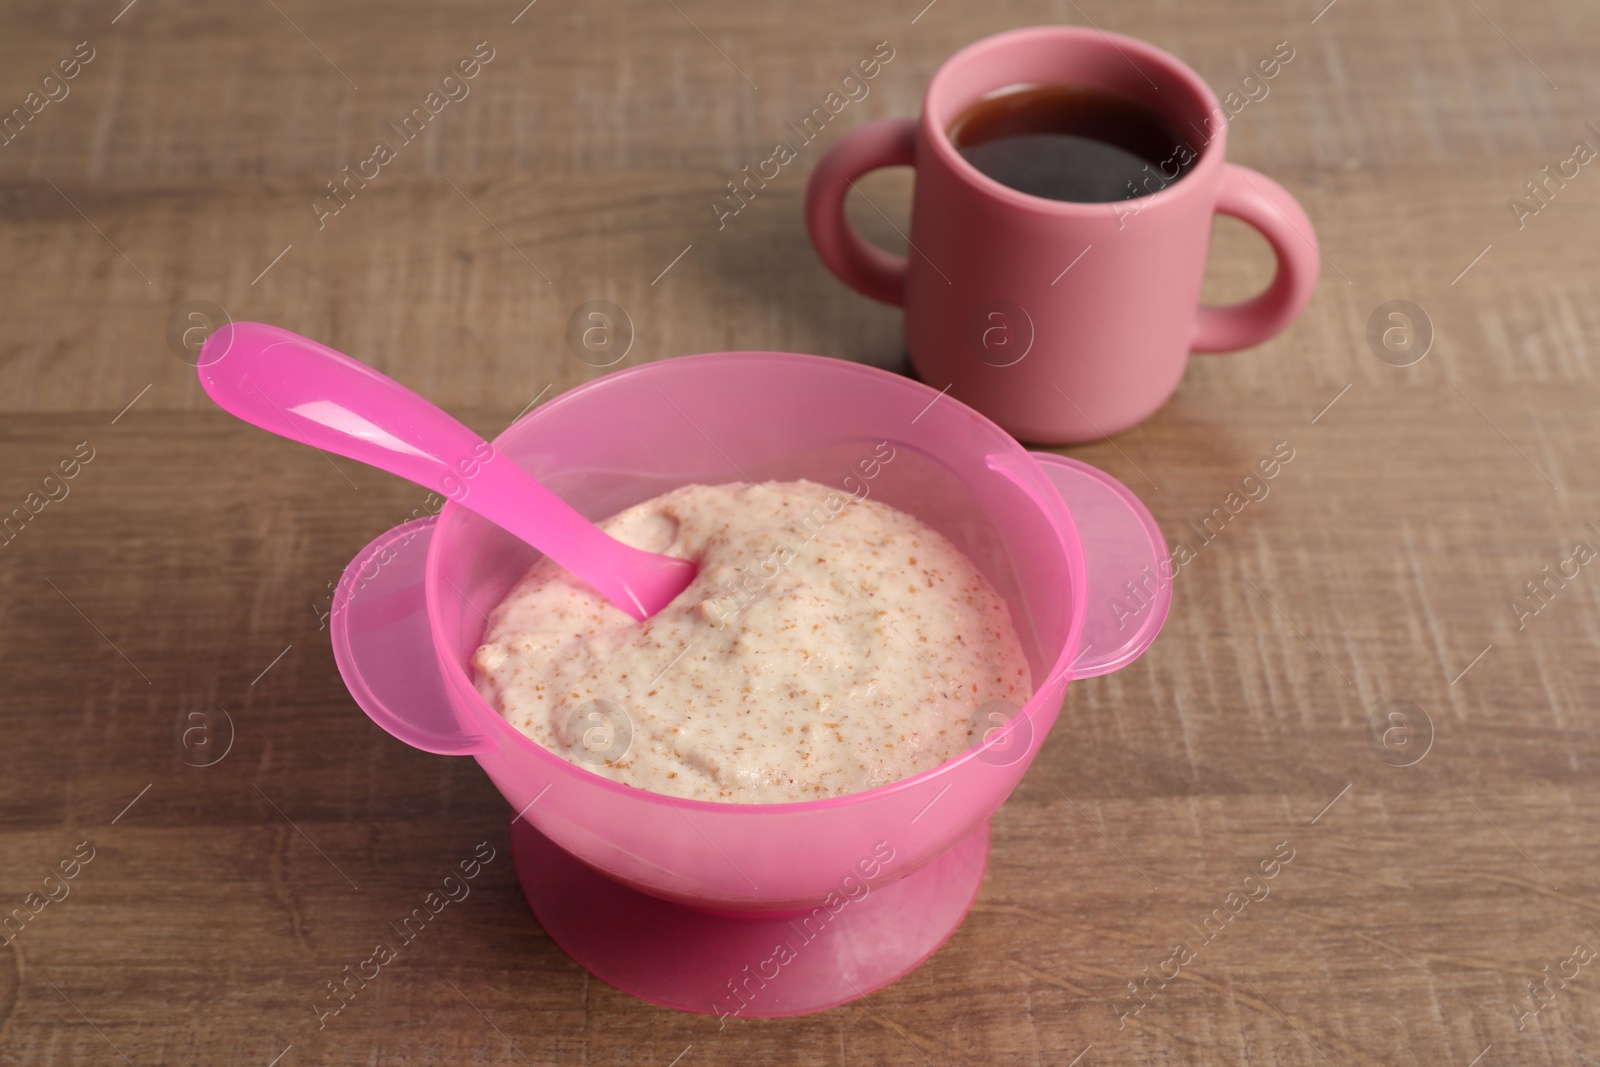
{"type": "Point", "coordinates": [936, 134]}
{"type": "Point", "coordinates": [480, 708]}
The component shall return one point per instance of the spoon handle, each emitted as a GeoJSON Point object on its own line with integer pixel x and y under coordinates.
{"type": "Point", "coordinates": [296, 388]}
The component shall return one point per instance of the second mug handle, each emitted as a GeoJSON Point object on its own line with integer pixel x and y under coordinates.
{"type": "Point", "coordinates": [1254, 198]}
{"type": "Point", "coordinates": [863, 267]}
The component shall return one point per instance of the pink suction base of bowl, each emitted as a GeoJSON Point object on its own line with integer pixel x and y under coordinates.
{"type": "Point", "coordinates": [691, 960]}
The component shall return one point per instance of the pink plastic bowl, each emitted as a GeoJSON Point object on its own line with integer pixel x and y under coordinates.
{"type": "Point", "coordinates": [679, 901]}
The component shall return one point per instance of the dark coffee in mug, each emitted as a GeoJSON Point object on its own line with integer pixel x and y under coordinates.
{"type": "Point", "coordinates": [1069, 142]}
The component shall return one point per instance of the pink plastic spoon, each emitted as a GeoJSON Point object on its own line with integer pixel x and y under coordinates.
{"type": "Point", "coordinates": [296, 388]}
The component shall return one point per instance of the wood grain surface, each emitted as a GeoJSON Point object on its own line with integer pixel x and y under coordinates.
{"type": "Point", "coordinates": [186, 571]}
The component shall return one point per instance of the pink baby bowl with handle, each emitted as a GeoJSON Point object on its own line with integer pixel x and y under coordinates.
{"type": "Point", "coordinates": [757, 909]}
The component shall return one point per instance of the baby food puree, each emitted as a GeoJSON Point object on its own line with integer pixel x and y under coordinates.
{"type": "Point", "coordinates": [827, 645]}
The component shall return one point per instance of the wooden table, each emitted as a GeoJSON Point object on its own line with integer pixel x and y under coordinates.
{"type": "Point", "coordinates": [186, 571]}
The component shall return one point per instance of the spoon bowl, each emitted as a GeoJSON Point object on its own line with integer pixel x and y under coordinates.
{"type": "Point", "coordinates": [684, 901]}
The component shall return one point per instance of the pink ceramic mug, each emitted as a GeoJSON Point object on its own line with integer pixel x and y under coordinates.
{"type": "Point", "coordinates": [1063, 322]}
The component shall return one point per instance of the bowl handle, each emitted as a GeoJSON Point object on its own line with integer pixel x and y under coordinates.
{"type": "Point", "coordinates": [384, 646]}
{"type": "Point", "coordinates": [1129, 580]}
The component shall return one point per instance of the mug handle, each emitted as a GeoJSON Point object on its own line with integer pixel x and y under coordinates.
{"type": "Point", "coordinates": [1254, 198]}
{"type": "Point", "coordinates": [863, 267]}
